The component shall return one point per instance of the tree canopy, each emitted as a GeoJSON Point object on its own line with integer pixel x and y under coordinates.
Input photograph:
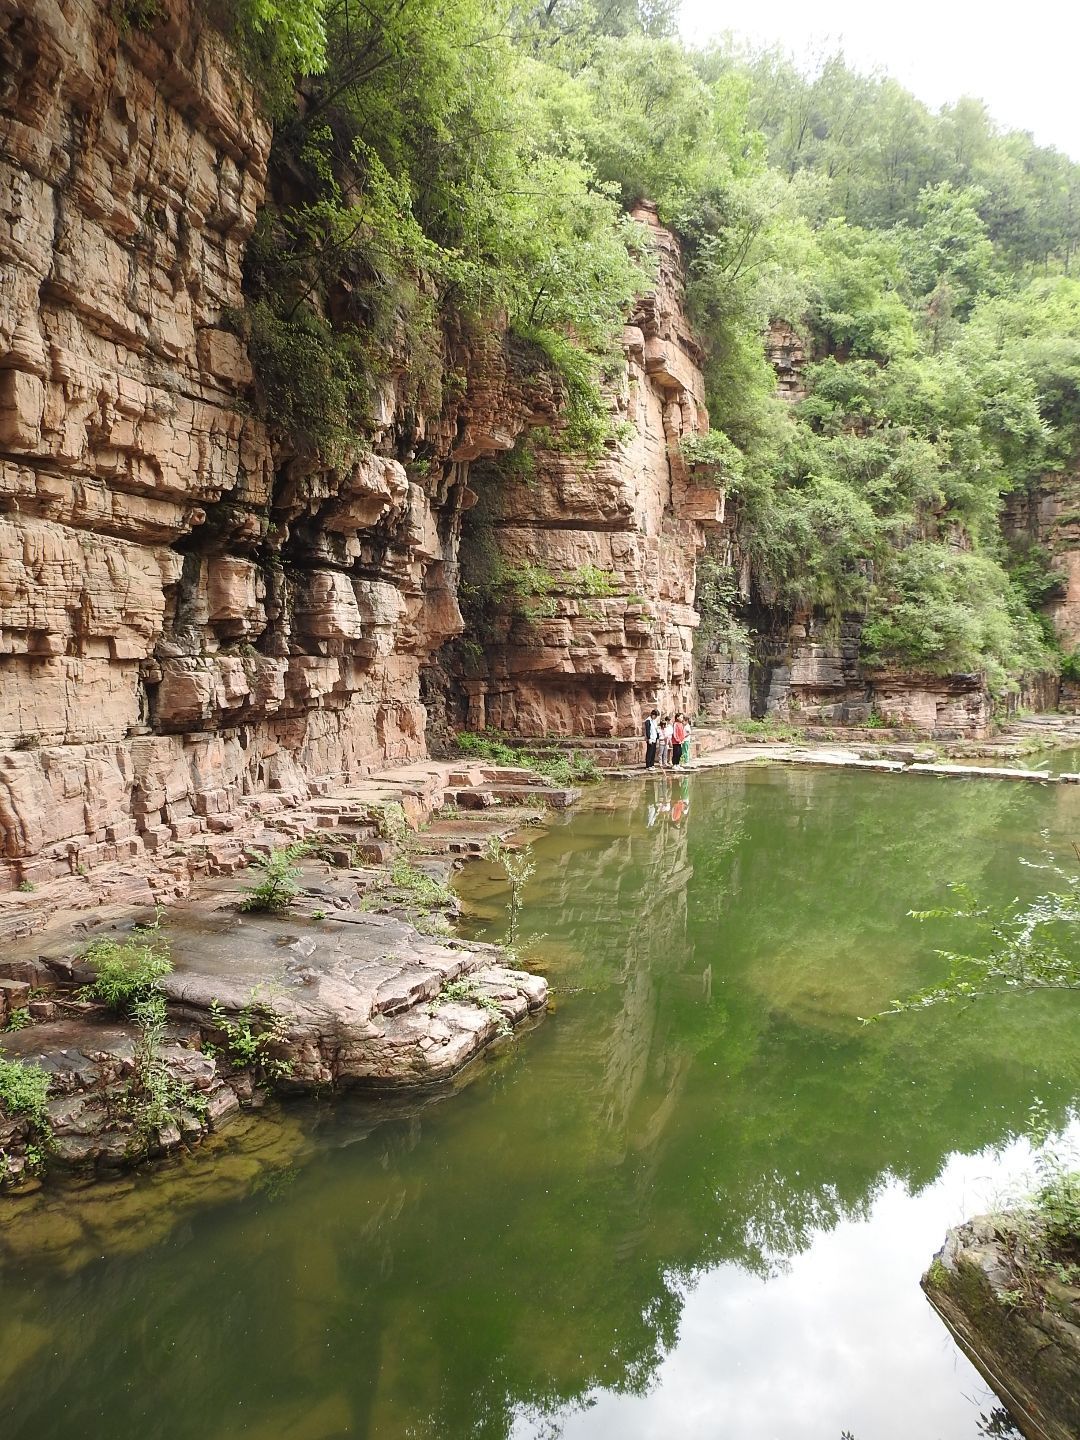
{"type": "Point", "coordinates": [451, 157]}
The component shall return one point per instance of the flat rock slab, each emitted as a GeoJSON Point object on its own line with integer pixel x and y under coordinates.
{"type": "Point", "coordinates": [356, 992]}
{"type": "Point", "coordinates": [71, 1048]}
{"type": "Point", "coordinates": [843, 759]}
{"type": "Point", "coordinates": [983, 772]}
{"type": "Point", "coordinates": [552, 797]}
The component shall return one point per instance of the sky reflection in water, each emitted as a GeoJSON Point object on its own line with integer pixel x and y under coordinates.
{"type": "Point", "coordinates": [695, 1202]}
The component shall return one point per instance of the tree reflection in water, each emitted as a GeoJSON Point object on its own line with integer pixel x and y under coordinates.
{"type": "Point", "coordinates": [703, 1097]}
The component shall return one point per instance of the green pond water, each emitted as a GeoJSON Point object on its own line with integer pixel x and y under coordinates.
{"type": "Point", "coordinates": [694, 1202]}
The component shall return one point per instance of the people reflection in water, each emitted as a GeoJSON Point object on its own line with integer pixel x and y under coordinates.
{"type": "Point", "coordinates": [663, 809]}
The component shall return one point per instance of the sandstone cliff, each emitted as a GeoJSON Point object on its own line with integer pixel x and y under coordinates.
{"type": "Point", "coordinates": [191, 619]}
{"type": "Point", "coordinates": [600, 623]}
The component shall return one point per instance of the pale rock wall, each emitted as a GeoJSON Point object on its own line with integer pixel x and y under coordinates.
{"type": "Point", "coordinates": [568, 663]}
{"type": "Point", "coordinates": [1049, 515]}
{"type": "Point", "coordinates": [196, 623]}
{"type": "Point", "coordinates": [193, 625]}
{"type": "Point", "coordinates": [785, 351]}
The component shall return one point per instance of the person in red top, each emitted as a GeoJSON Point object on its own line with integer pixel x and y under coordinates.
{"type": "Point", "coordinates": [678, 736]}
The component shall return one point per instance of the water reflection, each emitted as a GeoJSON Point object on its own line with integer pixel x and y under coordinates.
{"type": "Point", "coordinates": [695, 1202]}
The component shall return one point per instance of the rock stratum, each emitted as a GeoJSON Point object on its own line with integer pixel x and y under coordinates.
{"type": "Point", "coordinates": [193, 619]}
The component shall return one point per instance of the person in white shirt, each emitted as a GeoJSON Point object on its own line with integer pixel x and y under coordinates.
{"type": "Point", "coordinates": [663, 753]}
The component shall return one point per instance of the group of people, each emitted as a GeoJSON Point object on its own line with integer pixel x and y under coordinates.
{"type": "Point", "coordinates": [667, 740]}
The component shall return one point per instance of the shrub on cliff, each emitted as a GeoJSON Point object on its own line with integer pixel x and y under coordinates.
{"type": "Point", "coordinates": [279, 884]}
{"type": "Point", "coordinates": [423, 182]}
{"type": "Point", "coordinates": [947, 611]}
{"type": "Point", "coordinates": [127, 971]}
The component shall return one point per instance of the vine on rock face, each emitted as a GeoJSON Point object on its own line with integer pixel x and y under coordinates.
{"type": "Point", "coordinates": [127, 978]}
{"type": "Point", "coordinates": [24, 1095]}
{"type": "Point", "coordinates": [155, 1097]}
{"type": "Point", "coordinates": [250, 1038]}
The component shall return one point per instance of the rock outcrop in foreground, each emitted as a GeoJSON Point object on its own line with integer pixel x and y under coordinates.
{"type": "Point", "coordinates": [358, 983]}
{"type": "Point", "coordinates": [354, 999]}
{"type": "Point", "coordinates": [1025, 1342]}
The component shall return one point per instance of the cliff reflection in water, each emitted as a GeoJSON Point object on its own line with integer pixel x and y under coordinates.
{"type": "Point", "coordinates": [704, 1095]}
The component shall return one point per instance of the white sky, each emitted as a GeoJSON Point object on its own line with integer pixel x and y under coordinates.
{"type": "Point", "coordinates": [1022, 59]}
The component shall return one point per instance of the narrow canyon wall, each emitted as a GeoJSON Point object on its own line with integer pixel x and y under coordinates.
{"type": "Point", "coordinates": [131, 172]}
{"type": "Point", "coordinates": [591, 567]}
{"type": "Point", "coordinates": [803, 667]}
{"type": "Point", "coordinates": [1048, 516]}
{"type": "Point", "coordinates": [190, 625]}
{"type": "Point", "coordinates": [195, 622]}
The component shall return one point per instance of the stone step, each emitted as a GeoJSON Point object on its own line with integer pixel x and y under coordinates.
{"type": "Point", "coordinates": [550, 796]}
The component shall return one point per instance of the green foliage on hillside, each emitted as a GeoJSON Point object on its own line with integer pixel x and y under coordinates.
{"type": "Point", "coordinates": [419, 181]}
{"type": "Point", "coordinates": [458, 165]}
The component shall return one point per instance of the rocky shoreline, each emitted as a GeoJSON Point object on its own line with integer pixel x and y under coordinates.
{"type": "Point", "coordinates": [360, 983]}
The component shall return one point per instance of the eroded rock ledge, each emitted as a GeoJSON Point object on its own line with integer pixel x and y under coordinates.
{"type": "Point", "coordinates": [1026, 1345]}
{"type": "Point", "coordinates": [357, 1000]}
{"type": "Point", "coordinates": [360, 983]}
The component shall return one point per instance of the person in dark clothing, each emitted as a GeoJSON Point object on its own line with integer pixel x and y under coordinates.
{"type": "Point", "coordinates": [652, 735]}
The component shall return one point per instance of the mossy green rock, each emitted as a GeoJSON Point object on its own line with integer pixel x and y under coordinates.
{"type": "Point", "coordinates": [1029, 1352]}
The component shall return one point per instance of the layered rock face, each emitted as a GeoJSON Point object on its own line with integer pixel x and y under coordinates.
{"type": "Point", "coordinates": [1049, 517]}
{"type": "Point", "coordinates": [131, 173]}
{"type": "Point", "coordinates": [804, 668]}
{"type": "Point", "coordinates": [189, 619]}
{"type": "Point", "coordinates": [591, 567]}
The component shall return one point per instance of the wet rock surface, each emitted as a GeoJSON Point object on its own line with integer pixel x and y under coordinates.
{"type": "Point", "coordinates": [1027, 1345]}
{"type": "Point", "coordinates": [358, 983]}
